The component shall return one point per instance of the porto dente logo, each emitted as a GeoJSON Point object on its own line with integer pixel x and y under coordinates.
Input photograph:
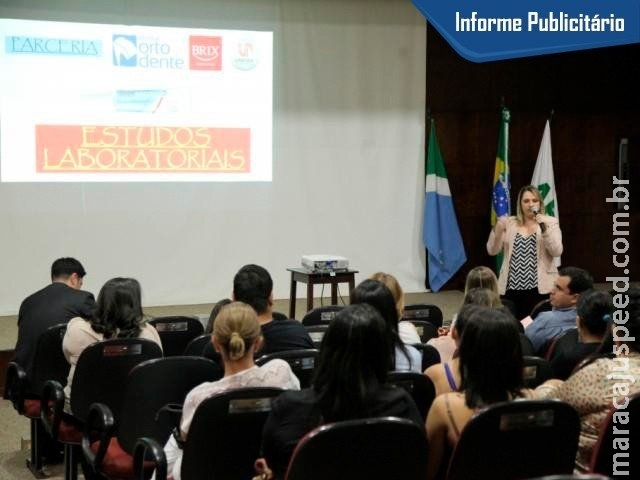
{"type": "Point", "coordinates": [145, 52]}
{"type": "Point", "coordinates": [77, 47]}
{"type": "Point", "coordinates": [205, 52]}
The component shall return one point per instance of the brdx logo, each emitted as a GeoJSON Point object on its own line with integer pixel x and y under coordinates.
{"type": "Point", "coordinates": [205, 53]}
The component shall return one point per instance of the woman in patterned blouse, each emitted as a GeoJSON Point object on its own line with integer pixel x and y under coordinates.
{"type": "Point", "coordinates": [529, 241]}
{"type": "Point", "coordinates": [603, 381]}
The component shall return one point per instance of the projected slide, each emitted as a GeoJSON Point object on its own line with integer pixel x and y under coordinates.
{"type": "Point", "coordinates": [109, 103]}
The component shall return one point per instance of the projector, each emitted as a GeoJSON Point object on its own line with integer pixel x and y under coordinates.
{"type": "Point", "coordinates": [324, 263]}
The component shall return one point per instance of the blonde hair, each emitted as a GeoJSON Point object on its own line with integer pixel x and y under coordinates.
{"type": "Point", "coordinates": [536, 192]}
{"type": "Point", "coordinates": [481, 277]}
{"type": "Point", "coordinates": [482, 297]}
{"type": "Point", "coordinates": [236, 328]}
{"type": "Point", "coordinates": [396, 290]}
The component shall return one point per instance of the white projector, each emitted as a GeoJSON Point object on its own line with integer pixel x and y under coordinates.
{"type": "Point", "coordinates": [325, 263]}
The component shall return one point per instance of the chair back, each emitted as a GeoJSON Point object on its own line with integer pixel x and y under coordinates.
{"type": "Point", "coordinates": [576, 476]}
{"type": "Point", "coordinates": [176, 332]}
{"type": "Point", "coordinates": [423, 311]}
{"type": "Point", "coordinates": [372, 448]}
{"type": "Point", "coordinates": [316, 332]}
{"type": "Point", "coordinates": [430, 354]}
{"type": "Point", "coordinates": [526, 345]}
{"type": "Point", "coordinates": [517, 439]}
{"type": "Point", "coordinates": [426, 330]}
{"type": "Point", "coordinates": [49, 362]}
{"type": "Point", "coordinates": [567, 339]}
{"type": "Point", "coordinates": [536, 371]}
{"type": "Point", "coordinates": [418, 385]}
{"type": "Point", "coordinates": [301, 361]}
{"type": "Point", "coordinates": [321, 315]}
{"type": "Point", "coordinates": [609, 461]}
{"type": "Point", "coordinates": [279, 316]}
{"type": "Point", "coordinates": [541, 306]}
{"type": "Point", "coordinates": [196, 346]}
{"type": "Point", "coordinates": [225, 434]}
{"type": "Point", "coordinates": [102, 370]}
{"type": "Point", "coordinates": [155, 384]}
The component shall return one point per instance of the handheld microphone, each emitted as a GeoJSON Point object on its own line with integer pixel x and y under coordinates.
{"type": "Point", "coordinates": [535, 212]}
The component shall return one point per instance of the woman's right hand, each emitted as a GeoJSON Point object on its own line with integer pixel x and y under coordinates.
{"type": "Point", "coordinates": [501, 225]}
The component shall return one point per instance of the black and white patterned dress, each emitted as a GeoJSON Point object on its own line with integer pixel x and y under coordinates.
{"type": "Point", "coordinates": [523, 271]}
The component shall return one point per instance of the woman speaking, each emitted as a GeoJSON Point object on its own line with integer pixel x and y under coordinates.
{"type": "Point", "coordinates": [529, 241]}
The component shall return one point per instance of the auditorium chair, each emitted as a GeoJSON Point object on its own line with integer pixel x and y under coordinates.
{"type": "Point", "coordinates": [418, 385]}
{"type": "Point", "coordinates": [536, 371]}
{"type": "Point", "coordinates": [321, 315]}
{"type": "Point", "coordinates": [577, 476]}
{"type": "Point", "coordinates": [100, 376]}
{"type": "Point", "coordinates": [430, 354]}
{"type": "Point", "coordinates": [602, 458]}
{"type": "Point", "coordinates": [516, 440]}
{"type": "Point", "coordinates": [426, 330]}
{"type": "Point", "coordinates": [224, 438]}
{"type": "Point", "coordinates": [423, 311]}
{"type": "Point", "coordinates": [196, 346]}
{"type": "Point", "coordinates": [151, 407]}
{"type": "Point", "coordinates": [24, 390]}
{"type": "Point", "coordinates": [176, 332]}
{"type": "Point", "coordinates": [316, 332]}
{"type": "Point", "coordinates": [538, 308]}
{"type": "Point", "coordinates": [302, 362]}
{"type": "Point", "coordinates": [379, 448]}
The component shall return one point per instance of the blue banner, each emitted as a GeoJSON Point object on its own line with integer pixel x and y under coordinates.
{"type": "Point", "coordinates": [487, 30]}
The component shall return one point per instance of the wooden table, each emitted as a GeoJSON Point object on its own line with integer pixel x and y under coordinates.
{"type": "Point", "coordinates": [318, 278]}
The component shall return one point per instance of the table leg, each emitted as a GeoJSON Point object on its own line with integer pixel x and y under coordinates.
{"type": "Point", "coordinates": [309, 294]}
{"type": "Point", "coordinates": [334, 293]}
{"type": "Point", "coordinates": [292, 298]}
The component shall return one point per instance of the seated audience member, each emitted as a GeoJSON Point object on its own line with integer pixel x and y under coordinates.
{"type": "Point", "coordinates": [481, 297]}
{"type": "Point", "coordinates": [118, 314]}
{"type": "Point", "coordinates": [349, 383]}
{"type": "Point", "coordinates": [446, 375]}
{"type": "Point", "coordinates": [376, 294]}
{"type": "Point", "coordinates": [592, 388]}
{"type": "Point", "coordinates": [406, 330]}
{"type": "Point", "coordinates": [490, 372]}
{"type": "Point", "coordinates": [481, 277]}
{"type": "Point", "coordinates": [595, 309]}
{"type": "Point", "coordinates": [253, 286]}
{"type": "Point", "coordinates": [214, 313]}
{"type": "Point", "coordinates": [56, 303]}
{"type": "Point", "coordinates": [568, 286]}
{"type": "Point", "coordinates": [236, 336]}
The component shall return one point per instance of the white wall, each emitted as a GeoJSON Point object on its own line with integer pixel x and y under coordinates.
{"type": "Point", "coordinates": [348, 160]}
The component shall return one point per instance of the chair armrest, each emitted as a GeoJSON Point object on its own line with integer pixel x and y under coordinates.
{"type": "Point", "coordinates": [168, 418]}
{"type": "Point", "coordinates": [16, 382]}
{"type": "Point", "coordinates": [52, 407]}
{"type": "Point", "coordinates": [149, 449]}
{"type": "Point", "coordinates": [99, 426]}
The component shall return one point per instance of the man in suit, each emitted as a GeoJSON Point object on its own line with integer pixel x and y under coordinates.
{"type": "Point", "coordinates": [253, 285]}
{"type": "Point", "coordinates": [56, 303]}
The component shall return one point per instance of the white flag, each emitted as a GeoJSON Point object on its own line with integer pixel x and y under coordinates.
{"type": "Point", "coordinates": [543, 178]}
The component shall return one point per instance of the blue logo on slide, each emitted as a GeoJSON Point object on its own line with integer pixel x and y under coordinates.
{"type": "Point", "coordinates": [125, 50]}
{"type": "Point", "coordinates": [71, 47]}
